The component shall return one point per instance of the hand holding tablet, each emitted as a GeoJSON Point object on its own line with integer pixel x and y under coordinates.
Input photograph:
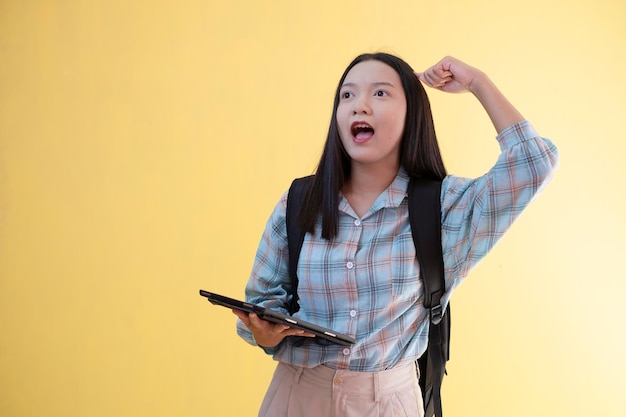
{"type": "Point", "coordinates": [252, 310]}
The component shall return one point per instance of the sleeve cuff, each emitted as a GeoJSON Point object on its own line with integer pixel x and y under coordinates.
{"type": "Point", "coordinates": [516, 134]}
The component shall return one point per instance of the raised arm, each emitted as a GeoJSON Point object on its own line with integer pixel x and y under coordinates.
{"type": "Point", "coordinates": [453, 76]}
{"type": "Point", "coordinates": [478, 211]}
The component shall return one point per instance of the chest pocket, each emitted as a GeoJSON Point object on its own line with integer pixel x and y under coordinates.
{"type": "Point", "coordinates": [405, 277]}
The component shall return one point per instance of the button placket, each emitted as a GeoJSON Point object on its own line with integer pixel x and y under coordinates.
{"type": "Point", "coordinates": [350, 266]}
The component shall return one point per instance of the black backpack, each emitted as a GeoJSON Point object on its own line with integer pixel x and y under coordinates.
{"type": "Point", "coordinates": [425, 219]}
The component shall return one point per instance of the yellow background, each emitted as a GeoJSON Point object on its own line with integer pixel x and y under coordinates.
{"type": "Point", "coordinates": [143, 145]}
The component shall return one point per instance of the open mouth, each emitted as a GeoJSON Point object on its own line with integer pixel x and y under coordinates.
{"type": "Point", "coordinates": [361, 130]}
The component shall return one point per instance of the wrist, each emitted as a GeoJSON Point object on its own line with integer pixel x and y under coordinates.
{"type": "Point", "coordinates": [501, 112]}
{"type": "Point", "coordinates": [481, 84]}
{"type": "Point", "coordinates": [267, 343]}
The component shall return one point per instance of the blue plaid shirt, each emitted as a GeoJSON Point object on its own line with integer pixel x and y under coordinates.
{"type": "Point", "coordinates": [366, 282]}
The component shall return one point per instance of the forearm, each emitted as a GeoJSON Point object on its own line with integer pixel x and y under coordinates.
{"type": "Point", "coordinates": [500, 110]}
{"type": "Point", "coordinates": [453, 76]}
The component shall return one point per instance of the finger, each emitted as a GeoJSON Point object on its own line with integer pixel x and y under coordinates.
{"type": "Point", "coordinates": [426, 79]}
{"type": "Point", "coordinates": [298, 332]}
{"type": "Point", "coordinates": [255, 320]}
{"type": "Point", "coordinates": [243, 316]}
{"type": "Point", "coordinates": [266, 326]}
{"type": "Point", "coordinates": [443, 81]}
{"type": "Point", "coordinates": [434, 80]}
{"type": "Point", "coordinates": [442, 73]}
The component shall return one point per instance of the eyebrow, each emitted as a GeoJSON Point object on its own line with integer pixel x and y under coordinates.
{"type": "Point", "coordinates": [376, 84]}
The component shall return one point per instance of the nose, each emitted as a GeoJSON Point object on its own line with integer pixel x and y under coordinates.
{"type": "Point", "coordinates": [361, 106]}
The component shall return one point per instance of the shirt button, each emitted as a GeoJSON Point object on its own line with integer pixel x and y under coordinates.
{"type": "Point", "coordinates": [338, 381]}
{"type": "Point", "coordinates": [346, 351]}
{"type": "Point", "coordinates": [350, 265]}
{"type": "Point", "coordinates": [357, 222]}
{"type": "Point", "coordinates": [352, 313]}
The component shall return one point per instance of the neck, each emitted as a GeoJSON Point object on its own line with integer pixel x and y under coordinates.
{"type": "Point", "coordinates": [366, 184]}
{"type": "Point", "coordinates": [366, 180]}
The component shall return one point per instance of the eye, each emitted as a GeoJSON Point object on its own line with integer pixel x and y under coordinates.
{"type": "Point", "coordinates": [380, 93]}
{"type": "Point", "coordinates": [346, 95]}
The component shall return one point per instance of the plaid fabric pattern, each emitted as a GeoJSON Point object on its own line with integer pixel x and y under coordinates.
{"type": "Point", "coordinates": [366, 282]}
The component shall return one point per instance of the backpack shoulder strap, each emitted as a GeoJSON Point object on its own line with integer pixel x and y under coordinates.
{"type": "Point", "coordinates": [425, 219]}
{"type": "Point", "coordinates": [295, 235]}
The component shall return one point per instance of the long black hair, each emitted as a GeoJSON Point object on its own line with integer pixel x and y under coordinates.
{"type": "Point", "coordinates": [419, 150]}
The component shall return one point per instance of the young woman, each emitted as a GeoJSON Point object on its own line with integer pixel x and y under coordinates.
{"type": "Point", "coordinates": [357, 271]}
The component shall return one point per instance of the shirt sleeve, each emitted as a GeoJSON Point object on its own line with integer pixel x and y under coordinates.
{"type": "Point", "coordinates": [269, 284]}
{"type": "Point", "coordinates": [477, 212]}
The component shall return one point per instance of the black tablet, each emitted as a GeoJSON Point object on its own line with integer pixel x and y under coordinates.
{"type": "Point", "coordinates": [276, 317]}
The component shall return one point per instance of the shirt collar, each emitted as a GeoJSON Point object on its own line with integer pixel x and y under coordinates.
{"type": "Point", "coordinates": [391, 197]}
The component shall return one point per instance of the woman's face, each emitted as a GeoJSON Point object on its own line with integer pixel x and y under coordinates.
{"type": "Point", "coordinates": [371, 113]}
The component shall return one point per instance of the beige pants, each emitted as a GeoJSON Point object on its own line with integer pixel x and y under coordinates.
{"type": "Point", "coordinates": [326, 392]}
